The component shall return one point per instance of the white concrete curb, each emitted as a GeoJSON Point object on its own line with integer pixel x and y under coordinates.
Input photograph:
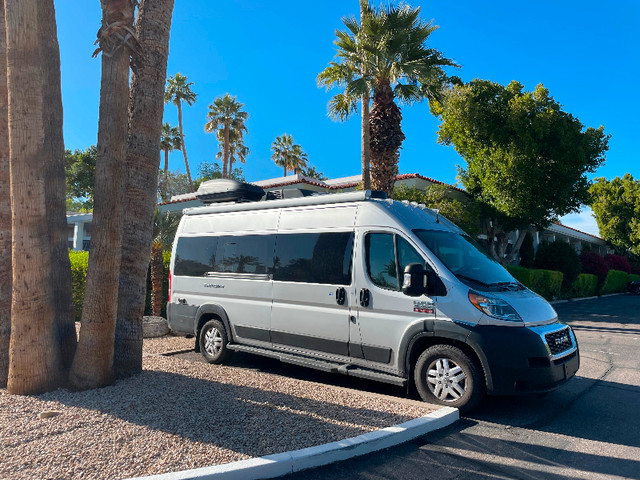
{"type": "Point", "coordinates": [281, 464]}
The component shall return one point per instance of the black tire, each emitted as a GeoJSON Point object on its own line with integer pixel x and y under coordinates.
{"type": "Point", "coordinates": [213, 341]}
{"type": "Point", "coordinates": [446, 375]}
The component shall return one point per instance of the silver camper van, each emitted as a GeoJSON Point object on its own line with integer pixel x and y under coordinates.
{"type": "Point", "coordinates": [361, 285]}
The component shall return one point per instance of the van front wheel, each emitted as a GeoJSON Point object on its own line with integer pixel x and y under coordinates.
{"type": "Point", "coordinates": [213, 342]}
{"type": "Point", "coordinates": [444, 374]}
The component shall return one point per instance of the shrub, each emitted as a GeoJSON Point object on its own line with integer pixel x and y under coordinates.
{"type": "Point", "coordinates": [559, 256]}
{"type": "Point", "coordinates": [635, 268]}
{"type": "Point", "coordinates": [520, 273]}
{"type": "Point", "coordinates": [585, 285]}
{"type": "Point", "coordinates": [547, 283]}
{"type": "Point", "coordinates": [615, 282]}
{"type": "Point", "coordinates": [79, 264]}
{"type": "Point", "coordinates": [527, 253]}
{"type": "Point", "coordinates": [594, 264]}
{"type": "Point", "coordinates": [617, 262]}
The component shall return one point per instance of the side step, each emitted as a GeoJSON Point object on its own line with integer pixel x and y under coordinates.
{"type": "Point", "coordinates": [323, 365]}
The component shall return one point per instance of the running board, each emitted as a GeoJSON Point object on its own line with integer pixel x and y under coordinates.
{"type": "Point", "coordinates": [323, 365]}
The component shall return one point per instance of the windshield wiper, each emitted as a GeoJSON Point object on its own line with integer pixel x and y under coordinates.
{"type": "Point", "coordinates": [474, 280]}
{"type": "Point", "coordinates": [507, 285]}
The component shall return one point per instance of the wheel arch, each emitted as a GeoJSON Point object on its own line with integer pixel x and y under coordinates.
{"type": "Point", "coordinates": [420, 342]}
{"type": "Point", "coordinates": [209, 312]}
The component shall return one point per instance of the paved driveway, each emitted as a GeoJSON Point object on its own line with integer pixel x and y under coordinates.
{"type": "Point", "coordinates": [589, 428]}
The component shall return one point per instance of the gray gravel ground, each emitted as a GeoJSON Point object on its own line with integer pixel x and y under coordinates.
{"type": "Point", "coordinates": [178, 415]}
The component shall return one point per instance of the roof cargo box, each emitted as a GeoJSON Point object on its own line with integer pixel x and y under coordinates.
{"type": "Point", "coordinates": [227, 190]}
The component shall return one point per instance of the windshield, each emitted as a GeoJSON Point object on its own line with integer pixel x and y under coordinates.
{"type": "Point", "coordinates": [464, 257]}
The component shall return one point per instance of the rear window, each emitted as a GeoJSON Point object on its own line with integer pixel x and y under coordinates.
{"type": "Point", "coordinates": [195, 256]}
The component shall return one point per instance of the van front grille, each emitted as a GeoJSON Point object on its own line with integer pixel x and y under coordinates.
{"type": "Point", "coordinates": [559, 341]}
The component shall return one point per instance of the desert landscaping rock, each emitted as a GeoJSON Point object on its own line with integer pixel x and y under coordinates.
{"type": "Point", "coordinates": [179, 415]}
{"type": "Point", "coordinates": [153, 327]}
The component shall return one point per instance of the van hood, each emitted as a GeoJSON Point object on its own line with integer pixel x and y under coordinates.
{"type": "Point", "coordinates": [532, 308]}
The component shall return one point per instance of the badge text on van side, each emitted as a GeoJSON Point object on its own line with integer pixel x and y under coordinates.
{"type": "Point", "coordinates": [423, 307]}
{"type": "Point", "coordinates": [213, 285]}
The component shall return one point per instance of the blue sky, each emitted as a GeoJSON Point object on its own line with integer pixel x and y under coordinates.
{"type": "Point", "coordinates": [269, 53]}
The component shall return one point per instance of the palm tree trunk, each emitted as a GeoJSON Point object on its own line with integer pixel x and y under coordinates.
{"type": "Point", "coordinates": [386, 139]}
{"type": "Point", "coordinates": [156, 278]}
{"type": "Point", "coordinates": [5, 211]}
{"type": "Point", "coordinates": [55, 191]}
{"type": "Point", "coordinates": [145, 118]}
{"type": "Point", "coordinates": [34, 355]}
{"type": "Point", "coordinates": [366, 134]}
{"type": "Point", "coordinates": [366, 140]}
{"type": "Point", "coordinates": [93, 364]}
{"type": "Point", "coordinates": [184, 147]}
{"type": "Point", "coordinates": [225, 157]}
{"type": "Point", "coordinates": [166, 161]}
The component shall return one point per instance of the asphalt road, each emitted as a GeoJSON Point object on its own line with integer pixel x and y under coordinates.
{"type": "Point", "coordinates": [589, 428]}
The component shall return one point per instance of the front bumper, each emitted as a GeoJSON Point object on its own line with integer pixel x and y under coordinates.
{"type": "Point", "coordinates": [521, 359]}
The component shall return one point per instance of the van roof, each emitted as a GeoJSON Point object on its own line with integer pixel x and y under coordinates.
{"type": "Point", "coordinates": [331, 198]}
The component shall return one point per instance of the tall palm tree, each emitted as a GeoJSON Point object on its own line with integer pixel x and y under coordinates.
{"type": "Point", "coordinates": [288, 155]}
{"type": "Point", "coordinates": [36, 156]}
{"type": "Point", "coordinates": [170, 140]}
{"type": "Point", "coordinates": [93, 363]}
{"type": "Point", "coordinates": [384, 56]}
{"type": "Point", "coordinates": [178, 91]}
{"type": "Point", "coordinates": [5, 211]}
{"type": "Point", "coordinates": [226, 113]}
{"type": "Point", "coordinates": [143, 159]}
{"type": "Point", "coordinates": [164, 229]}
{"type": "Point", "coordinates": [237, 149]}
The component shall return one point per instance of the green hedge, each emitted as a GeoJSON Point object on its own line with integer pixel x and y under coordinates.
{"type": "Point", "coordinates": [585, 285]}
{"type": "Point", "coordinates": [547, 283]}
{"type": "Point", "coordinates": [79, 263]}
{"type": "Point", "coordinates": [615, 282]}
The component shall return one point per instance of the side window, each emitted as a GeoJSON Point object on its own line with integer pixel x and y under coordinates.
{"type": "Point", "coordinates": [245, 254]}
{"type": "Point", "coordinates": [407, 254]}
{"type": "Point", "coordinates": [383, 263]}
{"type": "Point", "coordinates": [195, 256]}
{"type": "Point", "coordinates": [314, 258]}
{"type": "Point", "coordinates": [381, 260]}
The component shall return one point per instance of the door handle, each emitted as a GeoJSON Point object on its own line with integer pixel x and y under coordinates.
{"type": "Point", "coordinates": [365, 297]}
{"type": "Point", "coordinates": [341, 296]}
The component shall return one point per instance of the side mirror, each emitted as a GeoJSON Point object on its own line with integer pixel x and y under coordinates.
{"type": "Point", "coordinates": [415, 280]}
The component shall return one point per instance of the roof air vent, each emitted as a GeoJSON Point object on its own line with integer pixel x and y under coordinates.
{"type": "Point", "coordinates": [227, 190]}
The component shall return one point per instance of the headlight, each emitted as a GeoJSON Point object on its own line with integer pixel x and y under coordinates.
{"type": "Point", "coordinates": [494, 307]}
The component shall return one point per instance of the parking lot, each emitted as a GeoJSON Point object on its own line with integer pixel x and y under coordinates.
{"type": "Point", "coordinates": [586, 429]}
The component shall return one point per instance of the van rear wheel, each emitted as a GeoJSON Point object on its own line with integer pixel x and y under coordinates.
{"type": "Point", "coordinates": [213, 342]}
{"type": "Point", "coordinates": [446, 375]}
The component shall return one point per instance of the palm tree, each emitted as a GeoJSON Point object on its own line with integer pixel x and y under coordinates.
{"type": "Point", "coordinates": [384, 56]}
{"type": "Point", "coordinates": [143, 159]}
{"type": "Point", "coordinates": [36, 158]}
{"type": "Point", "coordinates": [164, 229]}
{"type": "Point", "coordinates": [170, 140]}
{"type": "Point", "coordinates": [5, 211]}
{"type": "Point", "coordinates": [178, 91]}
{"type": "Point", "coordinates": [237, 149]}
{"type": "Point", "coordinates": [93, 363]}
{"type": "Point", "coordinates": [288, 155]}
{"type": "Point", "coordinates": [226, 113]}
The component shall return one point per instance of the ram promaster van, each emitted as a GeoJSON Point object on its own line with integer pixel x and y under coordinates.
{"type": "Point", "coordinates": [361, 285]}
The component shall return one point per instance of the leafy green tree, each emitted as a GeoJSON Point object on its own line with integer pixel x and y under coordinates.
{"type": "Point", "coordinates": [527, 159]}
{"type": "Point", "coordinates": [80, 172]}
{"type": "Point", "coordinates": [170, 184]}
{"type": "Point", "coordinates": [287, 154]}
{"type": "Point", "coordinates": [438, 197]}
{"type": "Point", "coordinates": [226, 114]}
{"type": "Point", "coordinates": [384, 57]}
{"type": "Point", "coordinates": [616, 205]}
{"type": "Point", "coordinates": [178, 91]}
{"type": "Point", "coordinates": [212, 171]}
